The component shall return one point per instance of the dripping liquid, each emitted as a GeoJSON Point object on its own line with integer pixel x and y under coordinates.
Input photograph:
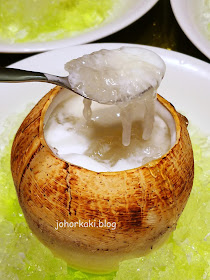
{"type": "Point", "coordinates": [126, 115]}
{"type": "Point", "coordinates": [107, 137]}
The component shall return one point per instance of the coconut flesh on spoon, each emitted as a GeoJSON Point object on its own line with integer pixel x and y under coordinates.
{"type": "Point", "coordinates": [110, 186]}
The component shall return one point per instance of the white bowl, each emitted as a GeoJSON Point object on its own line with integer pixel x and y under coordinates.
{"type": "Point", "coordinates": [127, 12]}
{"type": "Point", "coordinates": [186, 83]}
{"type": "Point", "coordinates": [187, 13]}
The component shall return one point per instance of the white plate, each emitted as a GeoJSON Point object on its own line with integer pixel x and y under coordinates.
{"type": "Point", "coordinates": [186, 83]}
{"type": "Point", "coordinates": [125, 13]}
{"type": "Point", "coordinates": [187, 13]}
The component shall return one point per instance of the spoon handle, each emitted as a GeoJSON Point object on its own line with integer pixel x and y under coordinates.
{"type": "Point", "coordinates": [17, 75]}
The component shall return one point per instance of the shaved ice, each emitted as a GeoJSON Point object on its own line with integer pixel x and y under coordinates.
{"type": "Point", "coordinates": [185, 255]}
{"type": "Point", "coordinates": [45, 20]}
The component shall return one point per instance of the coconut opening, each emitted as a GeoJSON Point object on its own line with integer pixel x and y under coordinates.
{"type": "Point", "coordinates": [120, 130]}
{"type": "Point", "coordinates": [96, 144]}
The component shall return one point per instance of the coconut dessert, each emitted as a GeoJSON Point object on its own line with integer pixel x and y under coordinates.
{"type": "Point", "coordinates": [105, 182]}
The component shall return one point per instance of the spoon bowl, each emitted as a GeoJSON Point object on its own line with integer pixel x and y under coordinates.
{"type": "Point", "coordinates": [12, 75]}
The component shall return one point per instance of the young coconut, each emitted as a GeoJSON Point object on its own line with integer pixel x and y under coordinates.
{"type": "Point", "coordinates": [144, 202]}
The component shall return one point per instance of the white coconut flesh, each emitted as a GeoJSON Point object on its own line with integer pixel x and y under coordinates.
{"type": "Point", "coordinates": [96, 144]}
{"type": "Point", "coordinates": [124, 83]}
{"type": "Point", "coordinates": [120, 76]}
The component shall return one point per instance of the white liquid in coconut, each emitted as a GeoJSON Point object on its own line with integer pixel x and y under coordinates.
{"type": "Point", "coordinates": [97, 144]}
{"type": "Point", "coordinates": [121, 131]}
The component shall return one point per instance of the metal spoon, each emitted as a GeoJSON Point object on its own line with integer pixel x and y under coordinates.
{"type": "Point", "coordinates": [11, 75]}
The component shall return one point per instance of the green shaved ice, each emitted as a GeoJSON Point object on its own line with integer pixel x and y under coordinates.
{"type": "Point", "coordinates": [185, 255]}
{"type": "Point", "coordinates": [44, 20]}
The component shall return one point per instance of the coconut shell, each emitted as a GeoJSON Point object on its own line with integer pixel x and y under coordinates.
{"type": "Point", "coordinates": [64, 204]}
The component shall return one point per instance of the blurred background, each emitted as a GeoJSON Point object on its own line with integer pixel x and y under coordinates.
{"type": "Point", "coordinates": [158, 27]}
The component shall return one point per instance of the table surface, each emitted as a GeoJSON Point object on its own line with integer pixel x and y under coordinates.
{"type": "Point", "coordinates": [157, 28]}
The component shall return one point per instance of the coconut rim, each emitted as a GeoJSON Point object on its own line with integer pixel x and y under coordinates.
{"type": "Point", "coordinates": [163, 102]}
